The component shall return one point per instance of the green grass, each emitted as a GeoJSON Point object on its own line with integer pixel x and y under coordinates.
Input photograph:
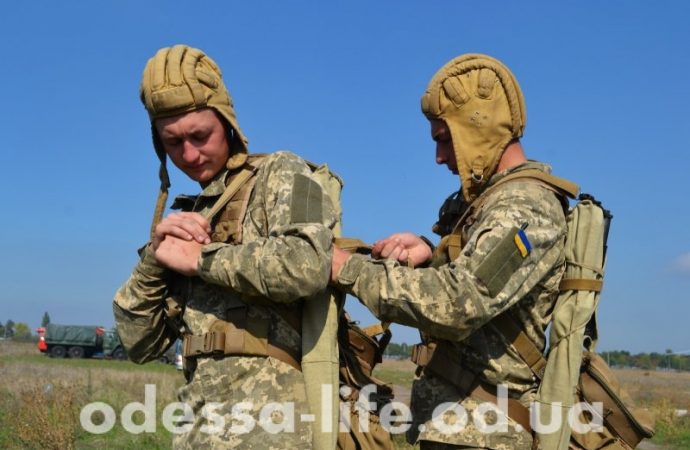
{"type": "Point", "coordinates": [394, 376]}
{"type": "Point", "coordinates": [128, 366]}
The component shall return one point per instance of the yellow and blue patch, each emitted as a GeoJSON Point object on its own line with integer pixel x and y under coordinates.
{"type": "Point", "coordinates": [522, 243]}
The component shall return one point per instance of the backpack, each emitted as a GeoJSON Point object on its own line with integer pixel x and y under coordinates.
{"type": "Point", "coordinates": [572, 372]}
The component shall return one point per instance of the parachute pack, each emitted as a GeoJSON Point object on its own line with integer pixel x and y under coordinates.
{"type": "Point", "coordinates": [572, 372]}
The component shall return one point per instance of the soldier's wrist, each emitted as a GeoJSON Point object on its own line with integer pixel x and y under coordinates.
{"type": "Point", "coordinates": [148, 264]}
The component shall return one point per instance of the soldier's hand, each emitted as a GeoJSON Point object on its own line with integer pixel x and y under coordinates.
{"type": "Point", "coordinates": [407, 248]}
{"type": "Point", "coordinates": [179, 255]}
{"type": "Point", "coordinates": [183, 225]}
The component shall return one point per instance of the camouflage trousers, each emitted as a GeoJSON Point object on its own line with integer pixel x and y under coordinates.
{"type": "Point", "coordinates": [444, 418]}
{"type": "Point", "coordinates": [244, 402]}
{"type": "Point", "coordinates": [426, 445]}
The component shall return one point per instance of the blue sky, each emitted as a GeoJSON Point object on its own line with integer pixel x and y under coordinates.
{"type": "Point", "coordinates": [339, 82]}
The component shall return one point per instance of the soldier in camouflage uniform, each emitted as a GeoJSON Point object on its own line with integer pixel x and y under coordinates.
{"type": "Point", "coordinates": [239, 278]}
{"type": "Point", "coordinates": [508, 262]}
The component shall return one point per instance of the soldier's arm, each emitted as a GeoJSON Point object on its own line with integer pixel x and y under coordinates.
{"type": "Point", "coordinates": [457, 298]}
{"type": "Point", "coordinates": [292, 260]}
{"type": "Point", "coordinates": [138, 309]}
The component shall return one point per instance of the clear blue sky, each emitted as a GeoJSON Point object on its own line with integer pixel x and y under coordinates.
{"type": "Point", "coordinates": [339, 82]}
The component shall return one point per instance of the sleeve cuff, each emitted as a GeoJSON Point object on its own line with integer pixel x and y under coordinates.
{"type": "Point", "coordinates": [206, 259]}
{"type": "Point", "coordinates": [148, 264]}
{"type": "Point", "coordinates": [350, 271]}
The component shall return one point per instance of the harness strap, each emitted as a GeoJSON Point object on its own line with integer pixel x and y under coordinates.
{"type": "Point", "coordinates": [580, 284]}
{"type": "Point", "coordinates": [236, 342]}
{"type": "Point", "coordinates": [516, 410]}
{"type": "Point", "coordinates": [376, 329]}
{"type": "Point", "coordinates": [443, 363]}
{"type": "Point", "coordinates": [522, 343]}
{"type": "Point", "coordinates": [352, 245]}
{"type": "Point", "coordinates": [247, 171]}
{"type": "Point", "coordinates": [561, 186]}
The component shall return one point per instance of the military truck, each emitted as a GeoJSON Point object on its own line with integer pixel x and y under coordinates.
{"type": "Point", "coordinates": [82, 341]}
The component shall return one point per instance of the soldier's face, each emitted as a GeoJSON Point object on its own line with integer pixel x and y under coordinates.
{"type": "Point", "coordinates": [444, 145]}
{"type": "Point", "coordinates": [196, 143]}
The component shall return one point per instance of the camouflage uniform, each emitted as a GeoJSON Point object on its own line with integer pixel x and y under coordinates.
{"type": "Point", "coordinates": [283, 259]}
{"type": "Point", "coordinates": [450, 302]}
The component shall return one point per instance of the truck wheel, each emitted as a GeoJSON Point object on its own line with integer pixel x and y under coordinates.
{"type": "Point", "coordinates": [76, 352]}
{"type": "Point", "coordinates": [58, 351]}
{"type": "Point", "coordinates": [163, 360]}
{"type": "Point", "coordinates": [119, 353]}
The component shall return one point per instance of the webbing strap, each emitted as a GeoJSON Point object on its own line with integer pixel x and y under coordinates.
{"type": "Point", "coordinates": [558, 185]}
{"type": "Point", "coordinates": [352, 245]}
{"type": "Point", "coordinates": [376, 329]}
{"type": "Point", "coordinates": [580, 284]}
{"type": "Point", "coordinates": [437, 358]}
{"type": "Point", "coordinates": [248, 170]}
{"type": "Point", "coordinates": [234, 342]}
{"type": "Point", "coordinates": [566, 187]}
{"type": "Point", "coordinates": [516, 410]}
{"type": "Point", "coordinates": [522, 343]}
{"type": "Point", "coordinates": [454, 243]}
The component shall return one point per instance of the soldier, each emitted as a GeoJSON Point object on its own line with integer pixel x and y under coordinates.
{"type": "Point", "coordinates": [495, 272]}
{"type": "Point", "coordinates": [232, 270]}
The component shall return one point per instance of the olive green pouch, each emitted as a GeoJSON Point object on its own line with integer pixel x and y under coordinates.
{"type": "Point", "coordinates": [502, 262]}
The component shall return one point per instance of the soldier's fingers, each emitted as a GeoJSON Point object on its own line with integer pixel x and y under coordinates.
{"type": "Point", "coordinates": [184, 227]}
{"type": "Point", "coordinates": [396, 253]}
{"type": "Point", "coordinates": [199, 219]}
{"type": "Point", "coordinates": [388, 248]}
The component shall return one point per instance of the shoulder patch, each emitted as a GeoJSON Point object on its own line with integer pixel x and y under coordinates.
{"type": "Point", "coordinates": [504, 260]}
{"type": "Point", "coordinates": [307, 201]}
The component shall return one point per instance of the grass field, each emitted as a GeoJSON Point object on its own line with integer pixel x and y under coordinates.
{"type": "Point", "coordinates": [41, 399]}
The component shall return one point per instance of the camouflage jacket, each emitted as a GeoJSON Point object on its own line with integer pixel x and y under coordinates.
{"type": "Point", "coordinates": [454, 303]}
{"type": "Point", "coordinates": [284, 258]}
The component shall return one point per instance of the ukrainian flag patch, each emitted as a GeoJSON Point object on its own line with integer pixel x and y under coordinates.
{"type": "Point", "coordinates": [522, 243]}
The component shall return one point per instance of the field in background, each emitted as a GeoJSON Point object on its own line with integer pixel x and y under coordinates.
{"type": "Point", "coordinates": [40, 399]}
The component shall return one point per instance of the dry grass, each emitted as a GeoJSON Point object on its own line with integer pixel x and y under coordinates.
{"type": "Point", "coordinates": [647, 387]}
{"type": "Point", "coordinates": [40, 399]}
{"type": "Point", "coordinates": [10, 348]}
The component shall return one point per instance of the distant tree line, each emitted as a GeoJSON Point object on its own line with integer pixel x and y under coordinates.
{"type": "Point", "coordinates": [15, 331]}
{"type": "Point", "coordinates": [20, 331]}
{"type": "Point", "coordinates": [648, 361]}
{"type": "Point", "coordinates": [618, 358]}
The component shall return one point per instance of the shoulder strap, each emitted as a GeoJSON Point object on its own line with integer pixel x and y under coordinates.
{"type": "Point", "coordinates": [561, 186]}
{"type": "Point", "coordinates": [247, 171]}
{"type": "Point", "coordinates": [522, 343]}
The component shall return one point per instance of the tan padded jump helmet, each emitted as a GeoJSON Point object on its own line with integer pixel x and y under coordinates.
{"type": "Point", "coordinates": [178, 80]}
{"type": "Point", "coordinates": [481, 103]}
